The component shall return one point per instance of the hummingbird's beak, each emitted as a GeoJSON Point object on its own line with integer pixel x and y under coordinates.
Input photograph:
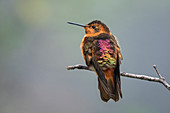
{"type": "Point", "coordinates": [76, 24]}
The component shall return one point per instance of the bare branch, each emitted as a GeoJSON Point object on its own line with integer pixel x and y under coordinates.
{"type": "Point", "coordinates": [78, 66]}
{"type": "Point", "coordinates": [141, 77]}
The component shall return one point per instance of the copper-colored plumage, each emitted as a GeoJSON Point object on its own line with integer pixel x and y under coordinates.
{"type": "Point", "coordinates": [101, 53]}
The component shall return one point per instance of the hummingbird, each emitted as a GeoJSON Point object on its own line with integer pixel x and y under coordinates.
{"type": "Point", "coordinates": [101, 53]}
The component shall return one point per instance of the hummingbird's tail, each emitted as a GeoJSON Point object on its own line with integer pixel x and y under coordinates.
{"type": "Point", "coordinates": [112, 76]}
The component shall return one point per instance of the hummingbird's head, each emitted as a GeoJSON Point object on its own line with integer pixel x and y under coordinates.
{"type": "Point", "coordinates": [94, 28]}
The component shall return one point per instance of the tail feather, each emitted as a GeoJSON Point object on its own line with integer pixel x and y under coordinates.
{"type": "Point", "coordinates": [104, 96]}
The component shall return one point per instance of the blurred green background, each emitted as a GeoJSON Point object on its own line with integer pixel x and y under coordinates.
{"type": "Point", "coordinates": [36, 46]}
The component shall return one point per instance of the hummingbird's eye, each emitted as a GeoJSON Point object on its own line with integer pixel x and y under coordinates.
{"type": "Point", "coordinates": [93, 27]}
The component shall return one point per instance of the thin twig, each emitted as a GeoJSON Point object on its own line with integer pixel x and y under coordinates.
{"type": "Point", "coordinates": [160, 76]}
{"type": "Point", "coordinates": [142, 77]}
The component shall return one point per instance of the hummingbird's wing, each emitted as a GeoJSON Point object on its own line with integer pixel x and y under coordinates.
{"type": "Point", "coordinates": [88, 47]}
{"type": "Point", "coordinates": [101, 76]}
{"type": "Point", "coordinates": [114, 39]}
{"type": "Point", "coordinates": [105, 56]}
